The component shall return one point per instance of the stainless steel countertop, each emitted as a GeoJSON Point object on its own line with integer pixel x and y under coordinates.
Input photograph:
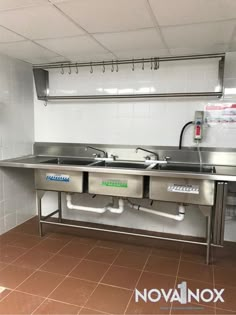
{"type": "Point", "coordinates": [223, 173]}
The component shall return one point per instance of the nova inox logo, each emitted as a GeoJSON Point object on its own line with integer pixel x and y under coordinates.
{"type": "Point", "coordinates": [183, 295]}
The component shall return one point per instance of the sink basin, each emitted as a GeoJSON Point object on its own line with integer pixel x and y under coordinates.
{"type": "Point", "coordinates": [185, 168]}
{"type": "Point", "coordinates": [123, 164]}
{"type": "Point", "coordinates": [69, 161]}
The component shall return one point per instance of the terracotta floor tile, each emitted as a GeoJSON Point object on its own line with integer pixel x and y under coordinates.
{"type": "Point", "coordinates": [122, 277]}
{"type": "Point", "coordinates": [195, 253]}
{"type": "Point", "coordinates": [137, 249]}
{"type": "Point", "coordinates": [19, 303]}
{"type": "Point", "coordinates": [73, 291]}
{"type": "Point", "coordinates": [7, 238]}
{"type": "Point", "coordinates": [192, 309]}
{"type": "Point", "coordinates": [26, 241]}
{"type": "Point", "coordinates": [224, 257]}
{"type": "Point", "coordinates": [84, 240]}
{"type": "Point", "coordinates": [2, 265]}
{"type": "Point", "coordinates": [12, 276]}
{"type": "Point", "coordinates": [4, 292]}
{"type": "Point", "coordinates": [51, 245]}
{"type": "Point", "coordinates": [220, 311]}
{"type": "Point", "coordinates": [76, 250]}
{"type": "Point", "coordinates": [60, 264]}
{"type": "Point", "coordinates": [141, 307]}
{"type": "Point", "coordinates": [41, 283]}
{"type": "Point", "coordinates": [201, 272]}
{"type": "Point", "coordinates": [131, 259]}
{"type": "Point", "coordinates": [61, 236]}
{"type": "Point", "coordinates": [88, 311]}
{"type": "Point", "coordinates": [229, 295]}
{"type": "Point", "coordinates": [150, 280]}
{"type": "Point", "coordinates": [105, 255]}
{"type": "Point", "coordinates": [109, 244]}
{"type": "Point", "coordinates": [225, 276]}
{"type": "Point", "coordinates": [33, 259]}
{"type": "Point", "coordinates": [55, 307]}
{"type": "Point", "coordinates": [109, 299]}
{"type": "Point", "coordinates": [162, 265]}
{"type": "Point", "coordinates": [167, 249]}
{"type": "Point", "coordinates": [90, 270]}
{"type": "Point", "coordinates": [9, 253]}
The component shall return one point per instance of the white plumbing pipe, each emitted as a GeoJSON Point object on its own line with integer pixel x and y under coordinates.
{"type": "Point", "coordinates": [118, 210]}
{"type": "Point", "coordinates": [177, 217]}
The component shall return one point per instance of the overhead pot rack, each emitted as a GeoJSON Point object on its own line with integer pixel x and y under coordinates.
{"type": "Point", "coordinates": [41, 76]}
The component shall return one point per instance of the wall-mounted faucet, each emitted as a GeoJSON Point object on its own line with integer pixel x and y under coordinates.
{"type": "Point", "coordinates": [105, 155]}
{"type": "Point", "coordinates": [151, 152]}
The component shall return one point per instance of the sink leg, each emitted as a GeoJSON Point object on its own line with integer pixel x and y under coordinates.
{"type": "Point", "coordinates": [59, 207]}
{"type": "Point", "coordinates": [39, 208]}
{"type": "Point", "coordinates": [208, 252]}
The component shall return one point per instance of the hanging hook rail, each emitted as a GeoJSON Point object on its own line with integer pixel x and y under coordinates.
{"type": "Point", "coordinates": [125, 61]}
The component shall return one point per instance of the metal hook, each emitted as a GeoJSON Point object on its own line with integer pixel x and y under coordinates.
{"type": "Point", "coordinates": [133, 66]}
{"type": "Point", "coordinates": [62, 69]}
{"type": "Point", "coordinates": [117, 67]}
{"type": "Point", "coordinates": [151, 64]}
{"type": "Point", "coordinates": [156, 64]}
{"type": "Point", "coordinates": [143, 65]}
{"type": "Point", "coordinates": [112, 66]}
{"type": "Point", "coordinates": [69, 72]}
{"type": "Point", "coordinates": [103, 67]}
{"type": "Point", "coordinates": [45, 103]}
{"type": "Point", "coordinates": [91, 70]}
{"type": "Point", "coordinates": [77, 69]}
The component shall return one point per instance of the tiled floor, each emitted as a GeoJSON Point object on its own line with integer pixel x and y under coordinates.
{"type": "Point", "coordinates": [68, 274]}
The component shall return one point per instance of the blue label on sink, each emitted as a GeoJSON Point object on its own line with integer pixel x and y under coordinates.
{"type": "Point", "coordinates": [58, 178]}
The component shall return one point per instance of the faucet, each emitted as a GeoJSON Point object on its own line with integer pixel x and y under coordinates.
{"type": "Point", "coordinates": [154, 153]}
{"type": "Point", "coordinates": [95, 149]}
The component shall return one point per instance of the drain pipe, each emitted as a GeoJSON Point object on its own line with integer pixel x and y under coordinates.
{"type": "Point", "coordinates": [177, 217]}
{"type": "Point", "coordinates": [108, 207]}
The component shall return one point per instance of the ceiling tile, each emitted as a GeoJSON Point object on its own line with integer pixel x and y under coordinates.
{"type": "Point", "coordinates": [144, 53]}
{"type": "Point", "coordinates": [89, 57]}
{"type": "Point", "coordinates": [14, 4]}
{"type": "Point", "coordinates": [73, 46]}
{"type": "Point", "coordinates": [141, 42]}
{"type": "Point", "coordinates": [8, 36]}
{"type": "Point", "coordinates": [198, 35]}
{"type": "Point", "coordinates": [220, 48]}
{"type": "Point", "coordinates": [192, 11]}
{"type": "Point", "coordinates": [25, 50]}
{"type": "Point", "coordinates": [108, 15]}
{"type": "Point", "coordinates": [39, 22]}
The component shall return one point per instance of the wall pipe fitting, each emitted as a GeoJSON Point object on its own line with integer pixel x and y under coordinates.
{"type": "Point", "coordinates": [108, 207]}
{"type": "Point", "coordinates": [176, 217]}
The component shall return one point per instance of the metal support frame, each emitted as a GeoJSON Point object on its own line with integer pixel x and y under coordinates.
{"type": "Point", "coordinates": [207, 211]}
{"type": "Point", "coordinates": [219, 212]}
{"type": "Point", "coordinates": [41, 76]}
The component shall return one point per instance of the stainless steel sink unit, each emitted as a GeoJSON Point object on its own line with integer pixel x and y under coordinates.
{"type": "Point", "coordinates": [69, 181]}
{"type": "Point", "coordinates": [122, 185]}
{"type": "Point", "coordinates": [183, 190]}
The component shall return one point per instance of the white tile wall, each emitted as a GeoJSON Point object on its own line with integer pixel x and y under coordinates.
{"type": "Point", "coordinates": [17, 197]}
{"type": "Point", "coordinates": [156, 122]}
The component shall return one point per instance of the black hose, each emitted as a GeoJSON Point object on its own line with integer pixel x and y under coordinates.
{"type": "Point", "coordinates": [182, 132]}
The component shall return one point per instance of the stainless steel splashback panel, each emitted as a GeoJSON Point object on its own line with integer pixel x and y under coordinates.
{"type": "Point", "coordinates": [182, 190]}
{"type": "Point", "coordinates": [212, 156]}
{"type": "Point", "coordinates": [116, 185]}
{"type": "Point", "coordinates": [59, 181]}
